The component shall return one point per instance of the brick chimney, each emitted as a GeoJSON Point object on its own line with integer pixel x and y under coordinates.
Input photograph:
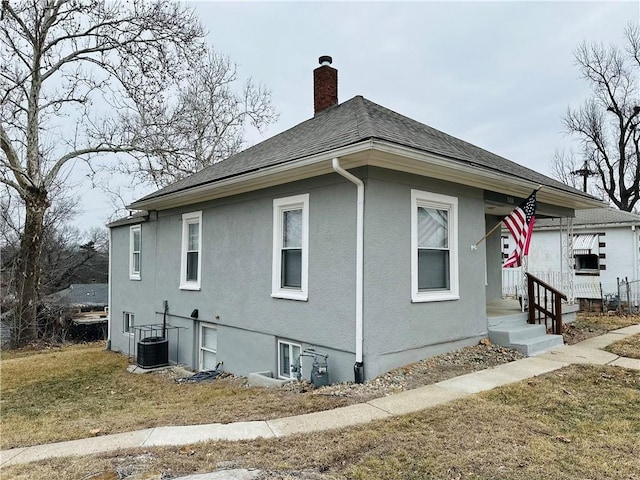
{"type": "Point", "coordinates": [325, 85]}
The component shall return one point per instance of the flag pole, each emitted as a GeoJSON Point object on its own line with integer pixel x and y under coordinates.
{"type": "Point", "coordinates": [473, 247]}
{"type": "Point", "coordinates": [487, 234]}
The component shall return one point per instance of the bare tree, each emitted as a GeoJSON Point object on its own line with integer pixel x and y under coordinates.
{"type": "Point", "coordinates": [85, 78]}
{"type": "Point", "coordinates": [203, 123]}
{"type": "Point", "coordinates": [562, 167]}
{"type": "Point", "coordinates": [606, 125]}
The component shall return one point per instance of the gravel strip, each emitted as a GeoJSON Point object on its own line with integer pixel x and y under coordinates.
{"type": "Point", "coordinates": [425, 372]}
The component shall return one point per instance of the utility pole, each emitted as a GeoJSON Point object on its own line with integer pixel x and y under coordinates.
{"type": "Point", "coordinates": [585, 173]}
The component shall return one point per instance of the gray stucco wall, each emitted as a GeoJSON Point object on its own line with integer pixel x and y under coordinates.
{"type": "Point", "coordinates": [235, 293]}
{"type": "Point", "coordinates": [235, 290]}
{"type": "Point", "coordinates": [396, 330]}
{"type": "Point", "coordinates": [493, 249]}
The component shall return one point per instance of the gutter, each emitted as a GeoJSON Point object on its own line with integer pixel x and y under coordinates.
{"type": "Point", "coordinates": [358, 368]}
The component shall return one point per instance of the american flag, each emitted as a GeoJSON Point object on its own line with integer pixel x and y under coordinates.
{"type": "Point", "coordinates": [520, 224]}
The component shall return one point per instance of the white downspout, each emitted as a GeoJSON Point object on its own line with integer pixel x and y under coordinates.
{"type": "Point", "coordinates": [109, 286]}
{"type": "Point", "coordinates": [634, 243]}
{"type": "Point", "coordinates": [359, 259]}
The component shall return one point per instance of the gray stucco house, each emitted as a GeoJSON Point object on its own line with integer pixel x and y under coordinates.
{"type": "Point", "coordinates": [349, 233]}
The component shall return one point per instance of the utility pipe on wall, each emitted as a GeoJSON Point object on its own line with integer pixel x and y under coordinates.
{"type": "Point", "coordinates": [359, 366]}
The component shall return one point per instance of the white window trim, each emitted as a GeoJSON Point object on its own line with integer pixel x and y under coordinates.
{"type": "Point", "coordinates": [281, 205]}
{"type": "Point", "coordinates": [133, 275]}
{"type": "Point", "coordinates": [443, 202]}
{"type": "Point", "coordinates": [129, 322]}
{"type": "Point", "coordinates": [187, 219]}
{"type": "Point", "coordinates": [201, 348]}
{"type": "Point", "coordinates": [292, 375]}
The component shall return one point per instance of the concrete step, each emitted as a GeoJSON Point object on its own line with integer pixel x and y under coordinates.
{"type": "Point", "coordinates": [536, 345]}
{"type": "Point", "coordinates": [515, 333]}
{"type": "Point", "coordinates": [507, 321]}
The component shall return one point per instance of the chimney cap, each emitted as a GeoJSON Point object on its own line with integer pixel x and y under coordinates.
{"type": "Point", "coordinates": [325, 60]}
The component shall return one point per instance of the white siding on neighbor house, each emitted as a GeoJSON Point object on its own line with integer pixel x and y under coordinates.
{"type": "Point", "coordinates": [616, 248]}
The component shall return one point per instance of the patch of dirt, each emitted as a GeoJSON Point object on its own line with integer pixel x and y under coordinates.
{"type": "Point", "coordinates": [573, 333]}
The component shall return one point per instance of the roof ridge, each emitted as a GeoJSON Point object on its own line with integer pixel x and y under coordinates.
{"type": "Point", "coordinates": [364, 123]}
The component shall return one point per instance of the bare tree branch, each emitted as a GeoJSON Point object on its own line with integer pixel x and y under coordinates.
{"type": "Point", "coordinates": [606, 125]}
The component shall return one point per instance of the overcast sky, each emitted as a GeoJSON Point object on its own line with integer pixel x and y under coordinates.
{"type": "Point", "coordinates": [499, 75]}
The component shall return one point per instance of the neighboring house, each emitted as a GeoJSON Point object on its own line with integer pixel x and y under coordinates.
{"type": "Point", "coordinates": [350, 233]}
{"type": "Point", "coordinates": [604, 248]}
{"type": "Point", "coordinates": [84, 297]}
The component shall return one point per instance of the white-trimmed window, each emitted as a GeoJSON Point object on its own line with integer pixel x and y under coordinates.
{"type": "Point", "coordinates": [208, 347]}
{"type": "Point", "coordinates": [127, 322]}
{"type": "Point", "coordinates": [135, 248]}
{"type": "Point", "coordinates": [191, 261]}
{"type": "Point", "coordinates": [288, 359]}
{"type": "Point", "coordinates": [290, 247]}
{"type": "Point", "coordinates": [434, 247]}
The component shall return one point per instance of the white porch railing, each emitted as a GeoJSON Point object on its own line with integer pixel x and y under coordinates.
{"type": "Point", "coordinates": [514, 282]}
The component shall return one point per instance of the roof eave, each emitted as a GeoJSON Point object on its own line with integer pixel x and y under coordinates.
{"type": "Point", "coordinates": [369, 152]}
{"type": "Point", "coordinates": [459, 171]}
{"type": "Point", "coordinates": [307, 167]}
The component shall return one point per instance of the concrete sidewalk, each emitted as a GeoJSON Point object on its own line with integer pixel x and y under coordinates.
{"type": "Point", "coordinates": [586, 352]}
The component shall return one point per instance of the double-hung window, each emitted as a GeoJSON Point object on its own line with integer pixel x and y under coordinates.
{"type": "Point", "coordinates": [290, 247]}
{"type": "Point", "coordinates": [191, 261]}
{"type": "Point", "coordinates": [135, 247]}
{"type": "Point", "coordinates": [434, 247]}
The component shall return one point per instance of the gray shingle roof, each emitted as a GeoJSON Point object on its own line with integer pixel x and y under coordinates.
{"type": "Point", "coordinates": [353, 121]}
{"type": "Point", "coordinates": [85, 294]}
{"type": "Point", "coordinates": [595, 216]}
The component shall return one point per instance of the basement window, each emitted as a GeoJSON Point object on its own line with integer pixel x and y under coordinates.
{"type": "Point", "coordinates": [288, 356]}
{"type": "Point", "coordinates": [127, 322]}
{"type": "Point", "coordinates": [208, 347]}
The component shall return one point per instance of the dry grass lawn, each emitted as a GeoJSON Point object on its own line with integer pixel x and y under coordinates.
{"type": "Point", "coordinates": [629, 347]}
{"type": "Point", "coordinates": [591, 325]}
{"type": "Point", "coordinates": [580, 422]}
{"type": "Point", "coordinates": [63, 394]}
{"type": "Point", "coordinates": [57, 394]}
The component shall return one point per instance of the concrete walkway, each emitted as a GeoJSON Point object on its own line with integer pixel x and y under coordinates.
{"type": "Point", "coordinates": [588, 351]}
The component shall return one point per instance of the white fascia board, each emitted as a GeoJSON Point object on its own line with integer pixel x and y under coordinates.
{"type": "Point", "coordinates": [409, 160]}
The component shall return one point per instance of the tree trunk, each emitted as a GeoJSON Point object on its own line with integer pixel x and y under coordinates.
{"type": "Point", "coordinates": [29, 267]}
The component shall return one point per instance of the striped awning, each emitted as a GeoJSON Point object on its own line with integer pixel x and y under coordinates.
{"type": "Point", "coordinates": [585, 244]}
